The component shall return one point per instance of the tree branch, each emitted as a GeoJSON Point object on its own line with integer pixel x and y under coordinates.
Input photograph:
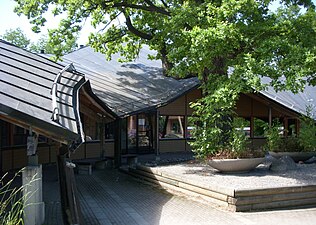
{"type": "Point", "coordinates": [156, 8]}
{"type": "Point", "coordinates": [132, 29]}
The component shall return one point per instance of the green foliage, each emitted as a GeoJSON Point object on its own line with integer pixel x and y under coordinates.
{"type": "Point", "coordinates": [239, 141]}
{"type": "Point", "coordinates": [290, 144]}
{"type": "Point", "coordinates": [11, 207]}
{"type": "Point", "coordinates": [214, 115]}
{"type": "Point", "coordinates": [273, 136]}
{"type": "Point", "coordinates": [307, 134]}
{"type": "Point", "coordinates": [49, 47]}
{"type": "Point", "coordinates": [16, 37]}
{"type": "Point", "coordinates": [259, 127]}
{"type": "Point", "coordinates": [41, 45]}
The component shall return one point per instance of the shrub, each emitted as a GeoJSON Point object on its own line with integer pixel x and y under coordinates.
{"type": "Point", "coordinates": [307, 134]}
{"type": "Point", "coordinates": [273, 136]}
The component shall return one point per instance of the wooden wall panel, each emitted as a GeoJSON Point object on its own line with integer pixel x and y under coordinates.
{"type": "Point", "coordinates": [19, 158]}
{"type": "Point", "coordinates": [172, 145]}
{"type": "Point", "coordinates": [188, 147]}
{"type": "Point", "coordinates": [109, 149]}
{"type": "Point", "coordinates": [43, 155]}
{"type": "Point", "coordinates": [93, 150]}
{"type": "Point", "coordinates": [259, 109]}
{"type": "Point", "coordinates": [79, 153]}
{"type": "Point", "coordinates": [243, 106]}
{"type": "Point", "coordinates": [176, 107]}
{"type": "Point", "coordinates": [192, 96]}
{"type": "Point", "coordinates": [53, 153]}
{"type": "Point", "coordinates": [6, 160]}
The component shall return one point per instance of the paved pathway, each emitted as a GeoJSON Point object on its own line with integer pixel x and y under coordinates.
{"type": "Point", "coordinates": [110, 197]}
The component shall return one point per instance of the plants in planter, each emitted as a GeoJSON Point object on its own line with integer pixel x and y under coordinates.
{"type": "Point", "coordinates": [300, 148]}
{"type": "Point", "coordinates": [307, 135]}
{"type": "Point", "coordinates": [222, 141]}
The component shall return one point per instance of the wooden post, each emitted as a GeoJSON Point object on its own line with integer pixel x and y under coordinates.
{"type": "Point", "coordinates": [117, 143]}
{"type": "Point", "coordinates": [71, 210]}
{"type": "Point", "coordinates": [102, 139]}
{"type": "Point", "coordinates": [270, 116]}
{"type": "Point", "coordinates": [62, 181]}
{"type": "Point", "coordinates": [157, 134]}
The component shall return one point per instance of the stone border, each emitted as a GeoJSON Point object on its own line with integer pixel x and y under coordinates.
{"type": "Point", "coordinates": [229, 198]}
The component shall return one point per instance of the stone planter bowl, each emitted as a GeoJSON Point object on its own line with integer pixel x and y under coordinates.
{"type": "Point", "coordinates": [296, 156]}
{"type": "Point", "coordinates": [235, 165]}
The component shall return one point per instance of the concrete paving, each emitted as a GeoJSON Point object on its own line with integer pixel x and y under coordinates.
{"type": "Point", "coordinates": [116, 198]}
{"type": "Point", "coordinates": [111, 197]}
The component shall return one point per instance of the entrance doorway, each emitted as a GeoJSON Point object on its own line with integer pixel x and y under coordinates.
{"type": "Point", "coordinates": [140, 133]}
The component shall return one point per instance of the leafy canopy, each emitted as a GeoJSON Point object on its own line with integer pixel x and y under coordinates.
{"type": "Point", "coordinates": [197, 37]}
{"type": "Point", "coordinates": [16, 37]}
{"type": "Point", "coordinates": [19, 38]}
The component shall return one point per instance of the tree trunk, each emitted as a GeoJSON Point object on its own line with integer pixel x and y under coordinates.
{"type": "Point", "coordinates": [166, 65]}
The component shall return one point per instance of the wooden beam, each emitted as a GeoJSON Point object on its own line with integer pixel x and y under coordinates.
{"type": "Point", "coordinates": [274, 105]}
{"type": "Point", "coordinates": [35, 129]}
{"type": "Point", "coordinates": [90, 113]}
{"type": "Point", "coordinates": [97, 105]}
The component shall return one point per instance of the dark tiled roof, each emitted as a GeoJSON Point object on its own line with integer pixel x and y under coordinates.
{"type": "Point", "coordinates": [127, 88]}
{"type": "Point", "coordinates": [297, 102]}
{"type": "Point", "coordinates": [25, 92]}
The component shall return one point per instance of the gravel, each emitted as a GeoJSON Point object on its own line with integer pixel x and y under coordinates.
{"type": "Point", "coordinates": [260, 178]}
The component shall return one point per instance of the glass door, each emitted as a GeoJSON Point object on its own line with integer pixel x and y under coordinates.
{"type": "Point", "coordinates": [131, 133]}
{"type": "Point", "coordinates": [144, 133]}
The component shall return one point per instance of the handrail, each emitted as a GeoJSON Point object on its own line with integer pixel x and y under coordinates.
{"type": "Point", "coordinates": [55, 115]}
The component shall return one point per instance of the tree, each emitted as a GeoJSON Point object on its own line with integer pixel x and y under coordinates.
{"type": "Point", "coordinates": [16, 37]}
{"type": "Point", "coordinates": [228, 44]}
{"type": "Point", "coordinates": [46, 45]}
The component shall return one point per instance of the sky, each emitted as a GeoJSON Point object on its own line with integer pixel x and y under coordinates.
{"type": "Point", "coordinates": [10, 20]}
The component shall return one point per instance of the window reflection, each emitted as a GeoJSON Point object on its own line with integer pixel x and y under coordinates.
{"type": "Point", "coordinates": [171, 127]}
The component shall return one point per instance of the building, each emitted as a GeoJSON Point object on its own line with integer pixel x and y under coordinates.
{"type": "Point", "coordinates": [153, 110]}
{"type": "Point", "coordinates": [125, 108]}
{"type": "Point", "coordinates": [41, 98]}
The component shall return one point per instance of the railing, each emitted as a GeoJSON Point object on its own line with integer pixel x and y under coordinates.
{"type": "Point", "coordinates": [55, 115]}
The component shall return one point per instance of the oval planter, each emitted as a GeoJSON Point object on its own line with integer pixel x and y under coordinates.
{"type": "Point", "coordinates": [235, 165]}
{"type": "Point", "coordinates": [296, 156]}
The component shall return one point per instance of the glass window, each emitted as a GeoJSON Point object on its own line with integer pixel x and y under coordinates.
{"type": "Point", "coordinates": [291, 127]}
{"type": "Point", "coordinates": [171, 127]}
{"type": "Point", "coordinates": [109, 130]}
{"type": "Point", "coordinates": [131, 131]}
